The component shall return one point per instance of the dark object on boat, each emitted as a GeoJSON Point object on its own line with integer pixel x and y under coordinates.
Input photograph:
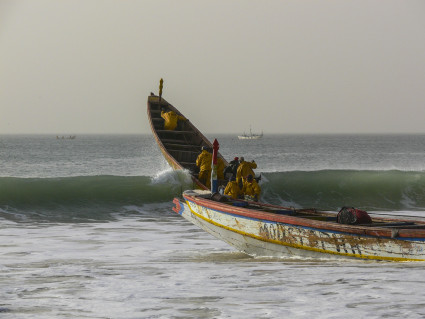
{"type": "Point", "coordinates": [353, 216]}
{"type": "Point", "coordinates": [219, 198]}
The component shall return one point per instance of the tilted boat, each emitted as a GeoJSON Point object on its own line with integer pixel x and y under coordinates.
{"type": "Point", "coordinates": [180, 147]}
{"type": "Point", "coordinates": [260, 229]}
{"type": "Point", "coordinates": [264, 230]}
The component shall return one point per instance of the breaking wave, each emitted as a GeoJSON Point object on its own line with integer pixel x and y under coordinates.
{"type": "Point", "coordinates": [332, 189]}
{"type": "Point", "coordinates": [99, 196]}
{"type": "Point", "coordinates": [89, 195]}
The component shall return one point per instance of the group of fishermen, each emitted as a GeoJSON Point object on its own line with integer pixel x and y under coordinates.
{"type": "Point", "coordinates": [240, 174]}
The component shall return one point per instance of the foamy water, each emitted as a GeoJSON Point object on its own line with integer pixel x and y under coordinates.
{"type": "Point", "coordinates": [147, 266]}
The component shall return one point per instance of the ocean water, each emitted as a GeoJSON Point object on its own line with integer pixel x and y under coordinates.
{"type": "Point", "coordinates": [87, 230]}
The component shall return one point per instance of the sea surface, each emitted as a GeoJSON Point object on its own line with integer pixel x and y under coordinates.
{"type": "Point", "coordinates": [87, 230]}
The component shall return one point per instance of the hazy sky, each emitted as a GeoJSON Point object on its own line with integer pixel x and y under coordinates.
{"type": "Point", "coordinates": [86, 66]}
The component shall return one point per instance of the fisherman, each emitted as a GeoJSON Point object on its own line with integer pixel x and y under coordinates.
{"type": "Point", "coordinates": [251, 190]}
{"type": "Point", "coordinates": [232, 168]}
{"type": "Point", "coordinates": [204, 163]}
{"type": "Point", "coordinates": [171, 119]}
{"type": "Point", "coordinates": [232, 189]}
{"type": "Point", "coordinates": [220, 168]}
{"type": "Point", "coordinates": [245, 169]}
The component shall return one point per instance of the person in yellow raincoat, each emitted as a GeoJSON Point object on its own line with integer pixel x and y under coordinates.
{"type": "Point", "coordinates": [244, 169]}
{"type": "Point", "coordinates": [251, 189]}
{"type": "Point", "coordinates": [232, 189]}
{"type": "Point", "coordinates": [220, 168]}
{"type": "Point", "coordinates": [204, 163]}
{"type": "Point", "coordinates": [171, 119]}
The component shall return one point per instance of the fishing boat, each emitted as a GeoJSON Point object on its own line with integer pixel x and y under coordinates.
{"type": "Point", "coordinates": [250, 136]}
{"type": "Point", "coordinates": [264, 230]}
{"type": "Point", "coordinates": [181, 146]}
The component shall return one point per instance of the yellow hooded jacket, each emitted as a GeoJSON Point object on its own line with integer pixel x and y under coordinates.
{"type": "Point", "coordinates": [220, 168]}
{"type": "Point", "coordinates": [170, 120]}
{"type": "Point", "coordinates": [251, 188]}
{"type": "Point", "coordinates": [232, 189]}
{"type": "Point", "coordinates": [204, 161]}
{"type": "Point", "coordinates": [245, 169]}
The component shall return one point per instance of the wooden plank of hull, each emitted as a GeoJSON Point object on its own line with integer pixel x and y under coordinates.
{"type": "Point", "coordinates": [262, 237]}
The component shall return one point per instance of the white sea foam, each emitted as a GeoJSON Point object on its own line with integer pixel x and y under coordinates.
{"type": "Point", "coordinates": [180, 178]}
{"type": "Point", "coordinates": [137, 267]}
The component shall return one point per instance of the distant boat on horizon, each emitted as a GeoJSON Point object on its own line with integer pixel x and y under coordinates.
{"type": "Point", "coordinates": [250, 136]}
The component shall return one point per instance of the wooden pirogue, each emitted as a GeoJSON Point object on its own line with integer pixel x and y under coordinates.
{"type": "Point", "coordinates": [180, 147]}
{"type": "Point", "coordinates": [260, 229]}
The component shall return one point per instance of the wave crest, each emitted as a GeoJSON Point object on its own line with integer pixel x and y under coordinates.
{"type": "Point", "coordinates": [332, 189]}
{"type": "Point", "coordinates": [326, 189]}
{"type": "Point", "coordinates": [91, 190]}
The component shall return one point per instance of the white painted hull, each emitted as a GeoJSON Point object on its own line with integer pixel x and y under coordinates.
{"type": "Point", "coordinates": [250, 137]}
{"type": "Point", "coordinates": [264, 238]}
{"type": "Point", "coordinates": [247, 244]}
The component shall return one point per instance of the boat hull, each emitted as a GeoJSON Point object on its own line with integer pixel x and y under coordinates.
{"type": "Point", "coordinates": [249, 137]}
{"type": "Point", "coordinates": [271, 238]}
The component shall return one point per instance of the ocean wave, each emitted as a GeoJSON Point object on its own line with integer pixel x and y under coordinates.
{"type": "Point", "coordinates": [99, 196]}
{"type": "Point", "coordinates": [85, 191]}
{"type": "Point", "coordinates": [332, 189]}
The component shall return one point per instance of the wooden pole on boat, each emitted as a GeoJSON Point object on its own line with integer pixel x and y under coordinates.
{"type": "Point", "coordinates": [214, 180]}
{"type": "Point", "coordinates": [160, 91]}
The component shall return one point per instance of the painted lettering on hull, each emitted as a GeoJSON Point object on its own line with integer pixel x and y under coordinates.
{"type": "Point", "coordinates": [331, 242]}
